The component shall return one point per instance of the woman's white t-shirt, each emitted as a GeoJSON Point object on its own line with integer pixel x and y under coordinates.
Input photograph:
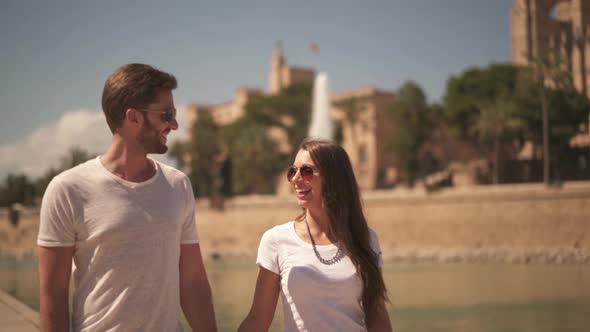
{"type": "Point", "coordinates": [316, 297]}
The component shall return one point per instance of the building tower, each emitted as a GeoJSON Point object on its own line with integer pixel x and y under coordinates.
{"type": "Point", "coordinates": [275, 79]}
{"type": "Point", "coordinates": [553, 29]}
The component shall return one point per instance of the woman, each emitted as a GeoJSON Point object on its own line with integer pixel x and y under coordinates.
{"type": "Point", "coordinates": [327, 261]}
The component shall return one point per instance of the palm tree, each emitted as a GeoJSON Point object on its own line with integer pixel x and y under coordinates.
{"type": "Point", "coordinates": [410, 110]}
{"type": "Point", "coordinates": [550, 69]}
{"type": "Point", "coordinates": [498, 120]}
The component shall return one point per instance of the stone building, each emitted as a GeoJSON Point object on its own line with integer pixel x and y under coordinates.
{"type": "Point", "coordinates": [363, 138]}
{"type": "Point", "coordinates": [281, 75]}
{"type": "Point", "coordinates": [557, 29]}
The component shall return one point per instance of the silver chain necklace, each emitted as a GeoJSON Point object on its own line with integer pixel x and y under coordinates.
{"type": "Point", "coordinates": [337, 257]}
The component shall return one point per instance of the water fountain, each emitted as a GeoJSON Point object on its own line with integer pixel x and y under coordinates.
{"type": "Point", "coordinates": [321, 121]}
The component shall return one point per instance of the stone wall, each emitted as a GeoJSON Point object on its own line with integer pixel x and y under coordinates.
{"type": "Point", "coordinates": [502, 223]}
{"type": "Point", "coordinates": [515, 223]}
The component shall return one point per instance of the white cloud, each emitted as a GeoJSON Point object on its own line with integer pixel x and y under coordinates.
{"type": "Point", "coordinates": [34, 154]}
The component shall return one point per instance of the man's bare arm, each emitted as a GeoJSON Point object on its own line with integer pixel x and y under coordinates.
{"type": "Point", "coordinates": [195, 292]}
{"type": "Point", "coordinates": [55, 268]}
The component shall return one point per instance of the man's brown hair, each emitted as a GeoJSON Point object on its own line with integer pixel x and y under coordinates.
{"type": "Point", "coordinates": [134, 85]}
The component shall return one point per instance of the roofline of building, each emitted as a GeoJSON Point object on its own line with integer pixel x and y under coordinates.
{"type": "Point", "coordinates": [311, 70]}
{"type": "Point", "coordinates": [365, 91]}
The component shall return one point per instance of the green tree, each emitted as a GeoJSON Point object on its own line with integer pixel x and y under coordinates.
{"type": "Point", "coordinates": [289, 110]}
{"type": "Point", "coordinates": [414, 118]}
{"type": "Point", "coordinates": [564, 108]}
{"type": "Point", "coordinates": [567, 109]}
{"type": "Point", "coordinates": [474, 98]}
{"type": "Point", "coordinates": [256, 159]}
{"type": "Point", "coordinates": [204, 154]}
{"type": "Point", "coordinates": [43, 181]}
{"type": "Point", "coordinates": [466, 93]}
{"type": "Point", "coordinates": [550, 68]}
{"type": "Point", "coordinates": [72, 158]}
{"type": "Point", "coordinates": [178, 152]}
{"type": "Point", "coordinates": [17, 189]}
{"type": "Point", "coordinates": [497, 122]}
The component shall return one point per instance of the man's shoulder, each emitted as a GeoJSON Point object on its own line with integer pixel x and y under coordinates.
{"type": "Point", "coordinates": [71, 182]}
{"type": "Point", "coordinates": [74, 174]}
{"type": "Point", "coordinates": [171, 172]}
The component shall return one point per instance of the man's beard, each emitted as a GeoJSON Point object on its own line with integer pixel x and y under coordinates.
{"type": "Point", "coordinates": [149, 139]}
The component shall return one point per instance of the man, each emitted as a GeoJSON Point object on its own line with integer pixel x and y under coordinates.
{"type": "Point", "coordinates": [128, 223]}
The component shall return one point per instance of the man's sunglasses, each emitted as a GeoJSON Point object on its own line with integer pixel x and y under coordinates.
{"type": "Point", "coordinates": [306, 172]}
{"type": "Point", "coordinates": [167, 116]}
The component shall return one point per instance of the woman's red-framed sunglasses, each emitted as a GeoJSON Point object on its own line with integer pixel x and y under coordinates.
{"type": "Point", "coordinates": [306, 171]}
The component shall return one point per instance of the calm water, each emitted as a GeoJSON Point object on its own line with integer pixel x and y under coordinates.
{"type": "Point", "coordinates": [425, 297]}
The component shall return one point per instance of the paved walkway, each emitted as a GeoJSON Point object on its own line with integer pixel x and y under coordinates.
{"type": "Point", "coordinates": [16, 316]}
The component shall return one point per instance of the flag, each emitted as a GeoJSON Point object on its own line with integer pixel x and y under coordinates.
{"type": "Point", "coordinates": [314, 47]}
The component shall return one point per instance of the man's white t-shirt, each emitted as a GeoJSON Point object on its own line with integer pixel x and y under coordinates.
{"type": "Point", "coordinates": [316, 297]}
{"type": "Point", "coordinates": [127, 239]}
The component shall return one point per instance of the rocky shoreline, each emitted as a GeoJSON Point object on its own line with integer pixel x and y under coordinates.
{"type": "Point", "coordinates": [399, 255]}
{"type": "Point", "coordinates": [491, 255]}
{"type": "Point", "coordinates": [452, 256]}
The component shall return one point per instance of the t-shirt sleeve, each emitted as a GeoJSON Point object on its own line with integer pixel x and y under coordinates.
{"type": "Point", "coordinates": [189, 225]}
{"type": "Point", "coordinates": [376, 247]}
{"type": "Point", "coordinates": [268, 257]}
{"type": "Point", "coordinates": [56, 225]}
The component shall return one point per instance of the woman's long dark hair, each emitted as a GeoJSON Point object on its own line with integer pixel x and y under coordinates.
{"type": "Point", "coordinates": [342, 202]}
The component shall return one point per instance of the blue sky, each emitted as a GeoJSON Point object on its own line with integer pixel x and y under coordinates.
{"type": "Point", "coordinates": [56, 54]}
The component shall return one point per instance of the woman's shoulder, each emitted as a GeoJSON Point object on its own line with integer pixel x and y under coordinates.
{"type": "Point", "coordinates": [275, 235]}
{"type": "Point", "coordinates": [279, 230]}
{"type": "Point", "coordinates": [374, 240]}
{"type": "Point", "coordinates": [372, 233]}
